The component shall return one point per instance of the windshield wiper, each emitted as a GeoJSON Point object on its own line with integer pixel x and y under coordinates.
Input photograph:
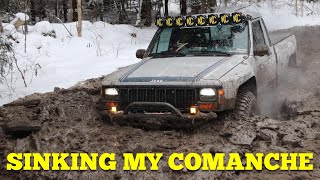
{"type": "Point", "coordinates": [210, 53]}
{"type": "Point", "coordinates": [167, 54]}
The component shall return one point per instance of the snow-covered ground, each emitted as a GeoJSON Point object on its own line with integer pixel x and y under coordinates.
{"type": "Point", "coordinates": [65, 60]}
{"type": "Point", "coordinates": [282, 15]}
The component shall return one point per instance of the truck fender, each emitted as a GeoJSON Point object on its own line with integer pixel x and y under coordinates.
{"type": "Point", "coordinates": [233, 80]}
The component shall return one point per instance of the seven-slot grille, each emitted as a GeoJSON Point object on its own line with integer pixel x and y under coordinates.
{"type": "Point", "coordinates": [179, 98]}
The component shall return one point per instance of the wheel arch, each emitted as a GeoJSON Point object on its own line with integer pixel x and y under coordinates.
{"type": "Point", "coordinates": [293, 60]}
{"type": "Point", "coordinates": [250, 84]}
{"type": "Point", "coordinates": [240, 76]}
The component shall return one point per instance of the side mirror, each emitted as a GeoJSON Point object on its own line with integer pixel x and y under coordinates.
{"type": "Point", "coordinates": [140, 53]}
{"type": "Point", "coordinates": [261, 50]}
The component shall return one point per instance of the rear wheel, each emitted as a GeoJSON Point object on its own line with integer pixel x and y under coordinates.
{"type": "Point", "coordinates": [246, 104]}
{"type": "Point", "coordinates": [293, 61]}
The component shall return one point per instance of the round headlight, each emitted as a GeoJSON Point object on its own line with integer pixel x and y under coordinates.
{"type": "Point", "coordinates": [111, 91]}
{"type": "Point", "coordinates": [207, 92]}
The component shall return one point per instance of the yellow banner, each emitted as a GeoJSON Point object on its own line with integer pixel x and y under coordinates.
{"type": "Point", "coordinates": [150, 161]}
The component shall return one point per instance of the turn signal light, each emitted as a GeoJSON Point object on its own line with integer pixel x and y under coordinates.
{"type": "Point", "coordinates": [193, 110]}
{"type": "Point", "coordinates": [112, 106]}
{"type": "Point", "coordinates": [221, 96]}
{"type": "Point", "coordinates": [207, 107]}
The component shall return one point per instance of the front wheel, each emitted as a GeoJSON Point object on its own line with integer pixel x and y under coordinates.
{"type": "Point", "coordinates": [246, 104]}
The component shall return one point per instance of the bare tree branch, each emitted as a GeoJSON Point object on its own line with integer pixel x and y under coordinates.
{"type": "Point", "coordinates": [21, 73]}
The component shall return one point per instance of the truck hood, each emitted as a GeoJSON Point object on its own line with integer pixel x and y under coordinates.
{"type": "Point", "coordinates": [181, 69]}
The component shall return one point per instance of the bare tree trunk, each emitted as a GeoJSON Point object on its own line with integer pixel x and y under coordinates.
{"type": "Point", "coordinates": [56, 9]}
{"type": "Point", "coordinates": [159, 6]}
{"type": "Point", "coordinates": [122, 14]}
{"type": "Point", "coordinates": [42, 9]}
{"type": "Point", "coordinates": [183, 4]}
{"type": "Point", "coordinates": [74, 12]}
{"type": "Point", "coordinates": [203, 6]}
{"type": "Point", "coordinates": [101, 10]}
{"type": "Point", "coordinates": [71, 7]}
{"type": "Point", "coordinates": [302, 6]}
{"type": "Point", "coordinates": [1, 27]}
{"type": "Point", "coordinates": [33, 12]}
{"type": "Point", "coordinates": [138, 22]}
{"type": "Point", "coordinates": [225, 3]}
{"type": "Point", "coordinates": [79, 27]}
{"type": "Point", "coordinates": [296, 7]}
{"type": "Point", "coordinates": [65, 10]}
{"type": "Point", "coordinates": [166, 8]}
{"type": "Point", "coordinates": [212, 3]}
{"type": "Point", "coordinates": [25, 28]}
{"type": "Point", "coordinates": [148, 13]}
{"type": "Point", "coordinates": [123, 5]}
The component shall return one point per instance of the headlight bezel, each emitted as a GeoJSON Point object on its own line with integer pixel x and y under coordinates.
{"type": "Point", "coordinates": [208, 94]}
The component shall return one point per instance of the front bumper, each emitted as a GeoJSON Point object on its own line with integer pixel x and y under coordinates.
{"type": "Point", "coordinates": [146, 115]}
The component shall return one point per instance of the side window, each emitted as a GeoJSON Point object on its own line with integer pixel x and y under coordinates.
{"type": "Point", "coordinates": [258, 36]}
{"type": "Point", "coordinates": [162, 43]}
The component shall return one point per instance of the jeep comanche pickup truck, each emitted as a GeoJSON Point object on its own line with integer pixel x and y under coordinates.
{"type": "Point", "coordinates": [196, 66]}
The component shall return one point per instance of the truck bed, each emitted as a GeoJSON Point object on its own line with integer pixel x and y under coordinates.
{"type": "Point", "coordinates": [278, 36]}
{"type": "Point", "coordinates": [285, 46]}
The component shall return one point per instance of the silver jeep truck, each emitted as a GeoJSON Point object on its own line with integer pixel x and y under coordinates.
{"type": "Point", "coordinates": [196, 66]}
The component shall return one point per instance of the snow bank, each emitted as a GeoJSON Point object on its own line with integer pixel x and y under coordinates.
{"type": "Point", "coordinates": [10, 30]}
{"type": "Point", "coordinates": [65, 60]}
{"type": "Point", "coordinates": [9, 27]}
{"type": "Point", "coordinates": [282, 16]}
{"type": "Point", "coordinates": [43, 27]}
{"type": "Point", "coordinates": [22, 16]}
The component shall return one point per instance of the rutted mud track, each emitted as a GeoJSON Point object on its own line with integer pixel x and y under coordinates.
{"type": "Point", "coordinates": [69, 122]}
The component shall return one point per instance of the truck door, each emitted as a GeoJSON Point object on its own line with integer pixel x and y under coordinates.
{"type": "Point", "coordinates": [265, 59]}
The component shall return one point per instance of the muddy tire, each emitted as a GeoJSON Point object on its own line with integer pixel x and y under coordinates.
{"type": "Point", "coordinates": [246, 104]}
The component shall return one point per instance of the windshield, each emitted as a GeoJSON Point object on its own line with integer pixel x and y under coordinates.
{"type": "Point", "coordinates": [214, 40]}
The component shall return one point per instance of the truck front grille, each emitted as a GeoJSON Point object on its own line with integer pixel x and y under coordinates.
{"type": "Point", "coordinates": [179, 98]}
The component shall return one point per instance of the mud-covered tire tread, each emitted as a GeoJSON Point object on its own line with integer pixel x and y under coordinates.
{"type": "Point", "coordinates": [245, 100]}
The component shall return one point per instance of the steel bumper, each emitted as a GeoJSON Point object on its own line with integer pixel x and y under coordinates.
{"type": "Point", "coordinates": [134, 115]}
